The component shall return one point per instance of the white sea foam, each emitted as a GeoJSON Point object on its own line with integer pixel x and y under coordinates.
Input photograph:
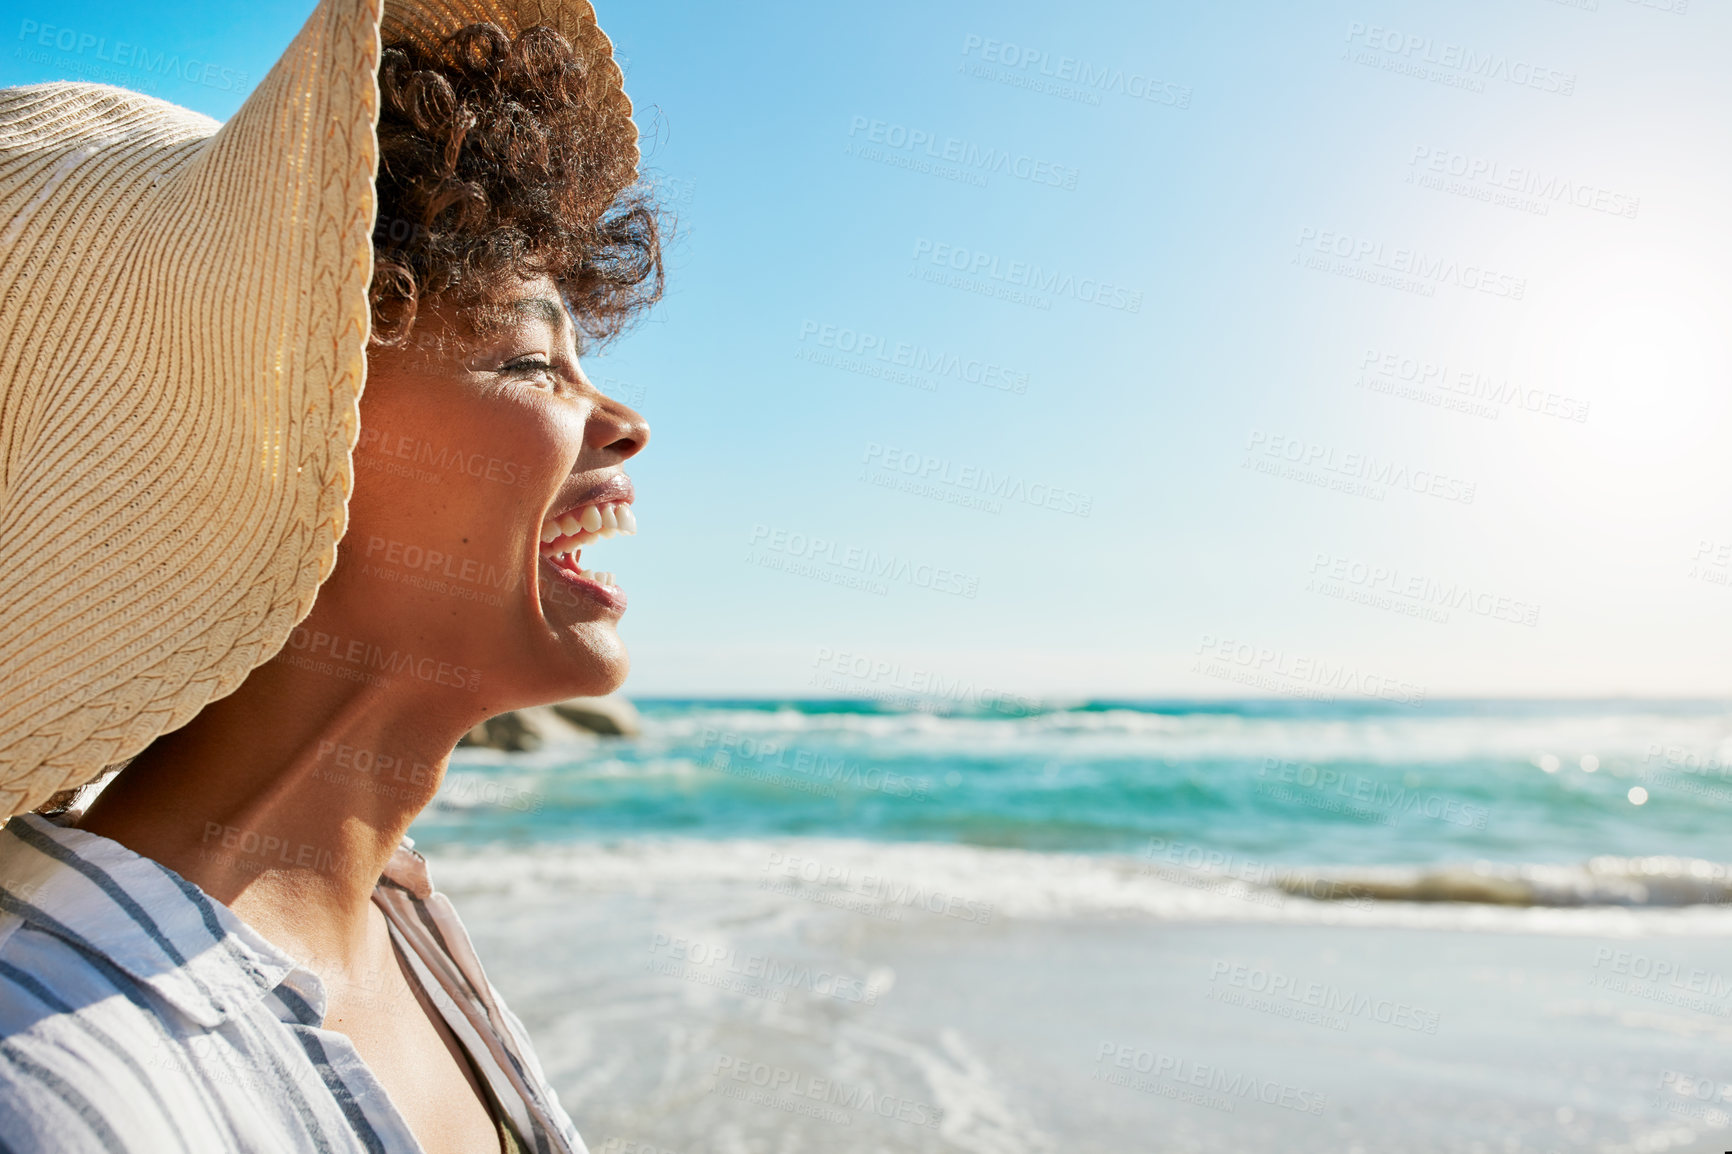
{"type": "Point", "coordinates": [905, 882]}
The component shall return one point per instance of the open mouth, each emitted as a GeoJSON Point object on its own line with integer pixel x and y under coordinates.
{"type": "Point", "coordinates": [564, 535]}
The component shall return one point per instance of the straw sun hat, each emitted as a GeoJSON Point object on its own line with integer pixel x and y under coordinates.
{"type": "Point", "coordinates": [183, 322]}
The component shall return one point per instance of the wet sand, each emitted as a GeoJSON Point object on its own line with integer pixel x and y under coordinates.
{"type": "Point", "coordinates": [723, 1017]}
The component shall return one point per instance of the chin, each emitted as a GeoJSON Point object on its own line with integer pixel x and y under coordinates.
{"type": "Point", "coordinates": [612, 682]}
{"type": "Point", "coordinates": [605, 669]}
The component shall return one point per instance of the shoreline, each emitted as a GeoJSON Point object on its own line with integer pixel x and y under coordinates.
{"type": "Point", "coordinates": [916, 881]}
{"type": "Point", "coordinates": [1087, 1033]}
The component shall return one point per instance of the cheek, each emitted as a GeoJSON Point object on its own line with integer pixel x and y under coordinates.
{"type": "Point", "coordinates": [505, 439]}
{"type": "Point", "coordinates": [444, 463]}
{"type": "Point", "coordinates": [518, 447]}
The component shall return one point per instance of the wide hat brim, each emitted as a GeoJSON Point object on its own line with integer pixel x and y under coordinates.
{"type": "Point", "coordinates": [183, 331]}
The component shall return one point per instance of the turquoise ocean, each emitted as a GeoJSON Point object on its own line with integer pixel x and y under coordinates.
{"type": "Point", "coordinates": [1545, 803]}
{"type": "Point", "coordinates": [1466, 927]}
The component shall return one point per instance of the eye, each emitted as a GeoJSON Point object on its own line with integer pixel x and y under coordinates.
{"type": "Point", "coordinates": [527, 366]}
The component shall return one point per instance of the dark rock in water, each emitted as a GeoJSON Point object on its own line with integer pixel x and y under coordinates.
{"type": "Point", "coordinates": [578, 720]}
{"type": "Point", "coordinates": [609, 716]}
{"type": "Point", "coordinates": [522, 730]}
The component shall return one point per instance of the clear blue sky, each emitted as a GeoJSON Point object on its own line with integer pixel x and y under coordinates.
{"type": "Point", "coordinates": [1209, 318]}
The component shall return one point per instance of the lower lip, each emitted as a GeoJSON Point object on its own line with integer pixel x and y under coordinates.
{"type": "Point", "coordinates": [608, 595]}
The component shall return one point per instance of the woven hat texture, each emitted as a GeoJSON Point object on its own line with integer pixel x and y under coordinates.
{"type": "Point", "coordinates": [183, 326]}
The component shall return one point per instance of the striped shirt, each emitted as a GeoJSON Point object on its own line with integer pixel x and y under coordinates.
{"type": "Point", "coordinates": [137, 1014]}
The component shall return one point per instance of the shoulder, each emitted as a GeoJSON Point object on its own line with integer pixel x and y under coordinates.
{"type": "Point", "coordinates": [82, 1053]}
{"type": "Point", "coordinates": [90, 1059]}
{"type": "Point", "coordinates": [40, 968]}
{"type": "Point", "coordinates": [54, 987]}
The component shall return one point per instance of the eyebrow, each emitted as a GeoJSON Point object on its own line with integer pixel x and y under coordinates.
{"type": "Point", "coordinates": [543, 308]}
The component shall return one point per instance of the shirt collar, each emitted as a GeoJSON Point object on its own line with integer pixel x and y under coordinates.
{"type": "Point", "coordinates": [408, 869]}
{"type": "Point", "coordinates": [139, 915]}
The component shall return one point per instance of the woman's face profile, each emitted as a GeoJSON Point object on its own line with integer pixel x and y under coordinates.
{"type": "Point", "coordinates": [474, 450]}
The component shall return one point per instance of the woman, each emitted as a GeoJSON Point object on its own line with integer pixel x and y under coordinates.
{"type": "Point", "coordinates": [232, 947]}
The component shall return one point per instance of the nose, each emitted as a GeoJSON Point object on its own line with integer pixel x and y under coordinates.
{"type": "Point", "coordinates": [615, 429]}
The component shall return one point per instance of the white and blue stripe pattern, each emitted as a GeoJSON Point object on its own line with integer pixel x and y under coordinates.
{"type": "Point", "coordinates": [139, 1016]}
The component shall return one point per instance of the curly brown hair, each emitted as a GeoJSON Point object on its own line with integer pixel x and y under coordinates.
{"type": "Point", "coordinates": [502, 157]}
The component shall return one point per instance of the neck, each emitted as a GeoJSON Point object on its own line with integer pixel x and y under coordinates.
{"type": "Point", "coordinates": [286, 799]}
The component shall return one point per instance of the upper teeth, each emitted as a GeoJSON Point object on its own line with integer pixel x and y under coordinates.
{"type": "Point", "coordinates": [578, 527]}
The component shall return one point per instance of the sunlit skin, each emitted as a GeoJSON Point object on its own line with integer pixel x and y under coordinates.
{"type": "Point", "coordinates": [263, 758]}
